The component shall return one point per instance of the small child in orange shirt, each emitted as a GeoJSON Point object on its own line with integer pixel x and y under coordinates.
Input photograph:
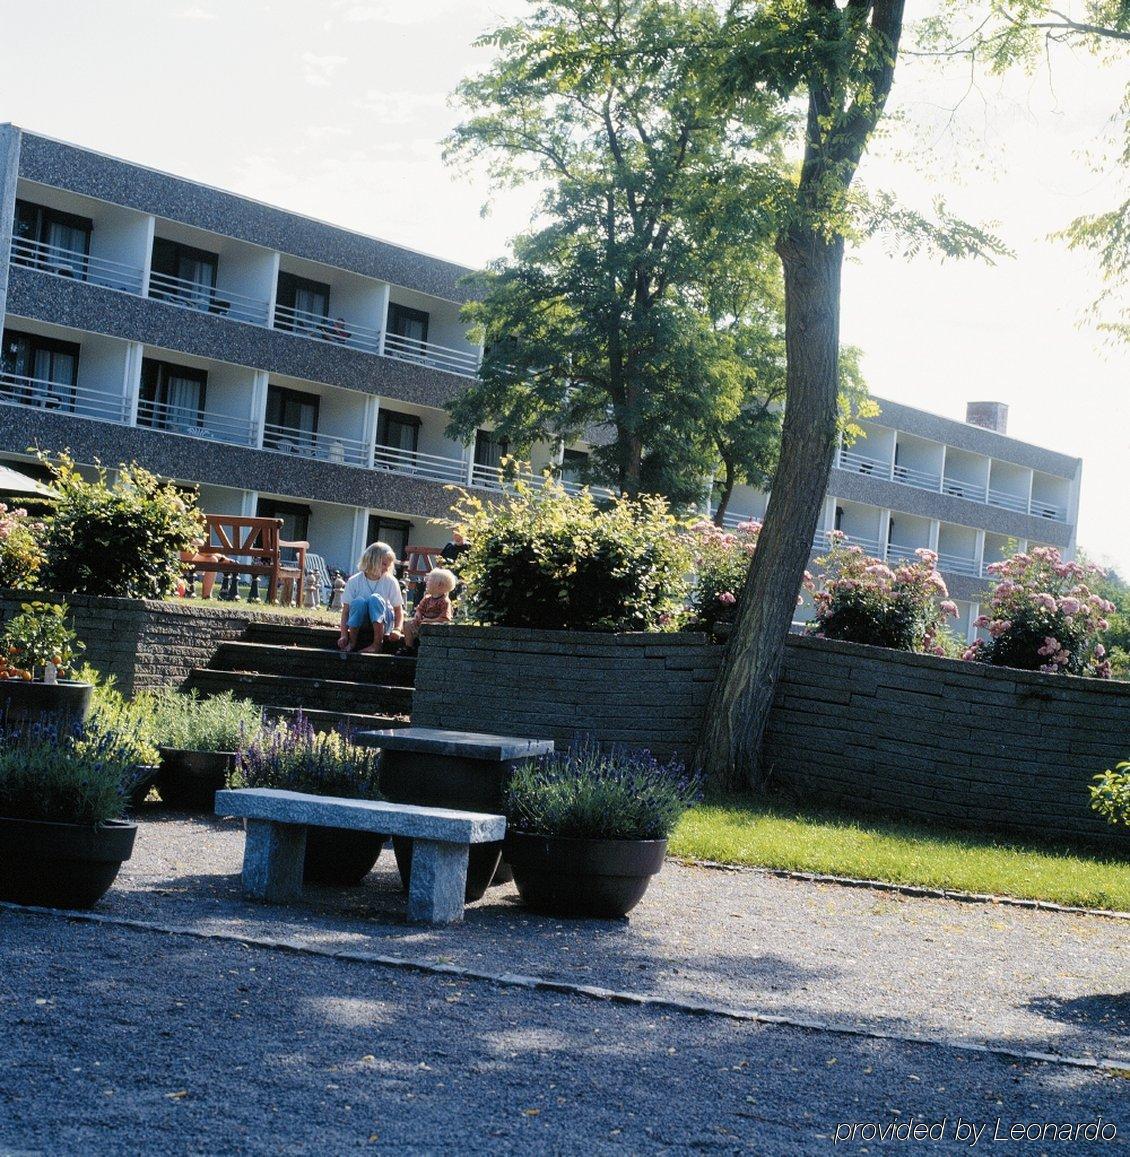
{"type": "Point", "coordinates": [433, 608]}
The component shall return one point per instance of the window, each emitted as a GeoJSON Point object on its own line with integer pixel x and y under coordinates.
{"type": "Point", "coordinates": [292, 419]}
{"type": "Point", "coordinates": [184, 274]}
{"type": "Point", "coordinates": [39, 371]}
{"type": "Point", "coordinates": [489, 452]}
{"type": "Point", "coordinates": [58, 242]}
{"type": "Point", "coordinates": [172, 397]}
{"type": "Point", "coordinates": [838, 524]}
{"type": "Point", "coordinates": [407, 330]}
{"type": "Point", "coordinates": [574, 463]}
{"type": "Point", "coordinates": [295, 518]}
{"type": "Point", "coordinates": [399, 433]}
{"type": "Point", "coordinates": [394, 531]}
{"type": "Point", "coordinates": [302, 305]}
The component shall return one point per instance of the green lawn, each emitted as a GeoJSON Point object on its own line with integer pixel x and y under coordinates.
{"type": "Point", "coordinates": [775, 836]}
{"type": "Point", "coordinates": [217, 604]}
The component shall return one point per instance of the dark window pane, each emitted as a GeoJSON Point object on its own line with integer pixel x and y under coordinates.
{"type": "Point", "coordinates": [295, 518]}
{"type": "Point", "coordinates": [398, 431]}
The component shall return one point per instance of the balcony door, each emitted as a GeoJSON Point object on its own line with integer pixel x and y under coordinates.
{"type": "Point", "coordinates": [407, 334]}
{"type": "Point", "coordinates": [183, 274]}
{"type": "Point", "coordinates": [295, 518]}
{"type": "Point", "coordinates": [172, 396]}
{"type": "Point", "coordinates": [398, 439]}
{"type": "Point", "coordinates": [489, 452]}
{"type": "Point", "coordinates": [395, 531]}
{"type": "Point", "coordinates": [574, 464]}
{"type": "Point", "coordinates": [39, 371]}
{"type": "Point", "coordinates": [292, 421]}
{"type": "Point", "coordinates": [52, 240]}
{"type": "Point", "coordinates": [303, 305]}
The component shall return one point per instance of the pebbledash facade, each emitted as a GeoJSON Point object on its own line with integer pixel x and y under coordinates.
{"type": "Point", "coordinates": [293, 369]}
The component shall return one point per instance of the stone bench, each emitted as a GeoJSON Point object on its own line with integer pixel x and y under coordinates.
{"type": "Point", "coordinates": [433, 767]}
{"type": "Point", "coordinates": [276, 843]}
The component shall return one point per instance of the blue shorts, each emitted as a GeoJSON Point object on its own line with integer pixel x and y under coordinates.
{"type": "Point", "coordinates": [375, 609]}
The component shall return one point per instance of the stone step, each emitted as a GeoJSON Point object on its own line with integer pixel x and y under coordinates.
{"type": "Point", "coordinates": [334, 720]}
{"type": "Point", "coordinates": [314, 663]}
{"type": "Point", "coordinates": [312, 694]}
{"type": "Point", "coordinates": [283, 634]}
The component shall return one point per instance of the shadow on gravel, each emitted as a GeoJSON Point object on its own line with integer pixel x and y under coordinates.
{"type": "Point", "coordinates": [1108, 1011]}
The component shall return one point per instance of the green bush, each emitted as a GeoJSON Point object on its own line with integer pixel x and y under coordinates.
{"type": "Point", "coordinates": [20, 553]}
{"type": "Point", "coordinates": [541, 557]}
{"type": "Point", "coordinates": [121, 539]}
{"type": "Point", "coordinates": [587, 793]}
{"type": "Point", "coordinates": [185, 722]}
{"type": "Point", "coordinates": [70, 775]}
{"type": "Point", "coordinates": [129, 722]}
{"type": "Point", "coordinates": [39, 635]}
{"type": "Point", "coordinates": [1110, 796]}
{"type": "Point", "coordinates": [294, 757]}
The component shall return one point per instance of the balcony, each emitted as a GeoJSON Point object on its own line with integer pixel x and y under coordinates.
{"type": "Point", "coordinates": [58, 397]}
{"type": "Point", "coordinates": [958, 489]}
{"type": "Point", "coordinates": [303, 323]}
{"type": "Point", "coordinates": [208, 299]}
{"type": "Point", "coordinates": [435, 467]}
{"type": "Point", "coordinates": [440, 357]}
{"type": "Point", "coordinates": [76, 266]}
{"type": "Point", "coordinates": [190, 422]}
{"type": "Point", "coordinates": [333, 448]}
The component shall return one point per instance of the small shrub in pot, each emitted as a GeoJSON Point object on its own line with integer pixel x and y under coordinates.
{"type": "Point", "coordinates": [292, 756]}
{"type": "Point", "coordinates": [36, 647]}
{"type": "Point", "coordinates": [62, 791]}
{"type": "Point", "coordinates": [587, 829]}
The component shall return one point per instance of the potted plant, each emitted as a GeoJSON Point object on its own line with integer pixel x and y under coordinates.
{"type": "Point", "coordinates": [62, 791]}
{"type": "Point", "coordinates": [131, 722]}
{"type": "Point", "coordinates": [36, 648]}
{"type": "Point", "coordinates": [294, 757]}
{"type": "Point", "coordinates": [198, 740]}
{"type": "Point", "coordinates": [587, 829]}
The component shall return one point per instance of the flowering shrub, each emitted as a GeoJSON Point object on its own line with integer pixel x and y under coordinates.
{"type": "Point", "coordinates": [721, 564]}
{"type": "Point", "coordinates": [1110, 796]}
{"type": "Point", "coordinates": [37, 636]}
{"type": "Point", "coordinates": [862, 600]}
{"type": "Point", "coordinates": [20, 553]}
{"type": "Point", "coordinates": [1044, 616]}
{"type": "Point", "coordinates": [587, 793]}
{"type": "Point", "coordinates": [540, 557]}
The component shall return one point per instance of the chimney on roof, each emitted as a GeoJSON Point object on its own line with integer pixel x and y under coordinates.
{"type": "Point", "coordinates": [988, 415]}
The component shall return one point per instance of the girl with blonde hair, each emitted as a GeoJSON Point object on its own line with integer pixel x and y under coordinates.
{"type": "Point", "coordinates": [372, 595]}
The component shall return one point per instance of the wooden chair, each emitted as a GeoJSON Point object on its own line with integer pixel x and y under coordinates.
{"type": "Point", "coordinates": [251, 546]}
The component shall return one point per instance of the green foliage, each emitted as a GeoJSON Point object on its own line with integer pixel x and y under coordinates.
{"type": "Point", "coordinates": [185, 722]}
{"type": "Point", "coordinates": [294, 757]}
{"type": "Point", "coordinates": [71, 776]}
{"type": "Point", "coordinates": [128, 723]}
{"type": "Point", "coordinates": [1110, 795]}
{"type": "Point", "coordinates": [541, 557]}
{"type": "Point", "coordinates": [20, 553]}
{"type": "Point", "coordinates": [121, 539]}
{"type": "Point", "coordinates": [586, 793]}
{"type": "Point", "coordinates": [39, 635]}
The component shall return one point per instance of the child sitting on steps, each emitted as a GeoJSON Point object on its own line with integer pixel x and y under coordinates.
{"type": "Point", "coordinates": [434, 607]}
{"type": "Point", "coordinates": [372, 595]}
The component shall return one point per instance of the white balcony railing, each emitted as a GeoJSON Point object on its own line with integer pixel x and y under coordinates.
{"type": "Point", "coordinates": [412, 462]}
{"type": "Point", "coordinates": [1008, 501]}
{"type": "Point", "coordinates": [958, 564]}
{"type": "Point", "coordinates": [920, 479]}
{"type": "Point", "coordinates": [190, 422]}
{"type": "Point", "coordinates": [328, 329]}
{"type": "Point", "coordinates": [955, 488]}
{"type": "Point", "coordinates": [75, 265]}
{"type": "Point", "coordinates": [333, 448]}
{"type": "Point", "coordinates": [208, 299]}
{"type": "Point", "coordinates": [41, 394]}
{"type": "Point", "coordinates": [863, 464]}
{"type": "Point", "coordinates": [440, 357]}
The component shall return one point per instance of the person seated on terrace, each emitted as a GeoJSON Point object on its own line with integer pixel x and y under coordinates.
{"type": "Point", "coordinates": [372, 595]}
{"type": "Point", "coordinates": [337, 331]}
{"type": "Point", "coordinates": [434, 608]}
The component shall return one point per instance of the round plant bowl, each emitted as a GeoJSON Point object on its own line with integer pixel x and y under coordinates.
{"type": "Point", "coordinates": [568, 877]}
{"type": "Point", "coordinates": [24, 701]}
{"type": "Point", "coordinates": [189, 780]}
{"type": "Point", "coordinates": [340, 857]}
{"type": "Point", "coordinates": [61, 865]}
{"type": "Point", "coordinates": [146, 777]}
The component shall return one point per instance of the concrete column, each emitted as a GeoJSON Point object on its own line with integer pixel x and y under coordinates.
{"type": "Point", "coordinates": [979, 553]}
{"type": "Point", "coordinates": [9, 175]}
{"type": "Point", "coordinates": [147, 267]}
{"type": "Point", "coordinates": [369, 424]}
{"type": "Point", "coordinates": [249, 503]}
{"type": "Point", "coordinates": [438, 884]}
{"type": "Point", "coordinates": [360, 533]}
{"type": "Point", "coordinates": [131, 384]}
{"type": "Point", "coordinates": [884, 532]}
{"type": "Point", "coordinates": [276, 258]}
{"type": "Point", "coordinates": [935, 532]}
{"type": "Point", "coordinates": [382, 321]}
{"type": "Point", "coordinates": [258, 407]}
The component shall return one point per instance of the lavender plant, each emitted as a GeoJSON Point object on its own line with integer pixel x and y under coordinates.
{"type": "Point", "coordinates": [294, 757]}
{"type": "Point", "coordinates": [587, 793]}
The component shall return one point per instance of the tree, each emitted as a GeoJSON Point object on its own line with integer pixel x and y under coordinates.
{"type": "Point", "coordinates": [608, 311]}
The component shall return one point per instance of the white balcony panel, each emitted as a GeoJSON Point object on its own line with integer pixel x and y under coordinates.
{"type": "Point", "coordinates": [206, 299]}
{"type": "Point", "coordinates": [76, 266]}
{"type": "Point", "coordinates": [435, 467]}
{"type": "Point", "coordinates": [406, 349]}
{"type": "Point", "coordinates": [328, 329]}
{"type": "Point", "coordinates": [189, 422]}
{"type": "Point", "coordinates": [57, 397]}
{"type": "Point", "coordinates": [324, 447]}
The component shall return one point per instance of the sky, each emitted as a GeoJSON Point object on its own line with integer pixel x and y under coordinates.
{"type": "Point", "coordinates": [337, 109]}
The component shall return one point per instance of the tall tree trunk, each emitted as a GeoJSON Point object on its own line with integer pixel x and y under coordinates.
{"type": "Point", "coordinates": [743, 695]}
{"type": "Point", "coordinates": [727, 494]}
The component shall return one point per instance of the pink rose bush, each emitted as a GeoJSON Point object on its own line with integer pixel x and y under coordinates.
{"type": "Point", "coordinates": [20, 553]}
{"type": "Point", "coordinates": [1044, 616]}
{"type": "Point", "coordinates": [721, 563]}
{"type": "Point", "coordinates": [863, 600]}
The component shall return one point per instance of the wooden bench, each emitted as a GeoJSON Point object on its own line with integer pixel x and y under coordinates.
{"type": "Point", "coordinates": [250, 546]}
{"type": "Point", "coordinates": [275, 844]}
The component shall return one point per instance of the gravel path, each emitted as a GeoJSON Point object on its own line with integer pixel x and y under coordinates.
{"type": "Point", "coordinates": [933, 969]}
{"type": "Point", "coordinates": [119, 1041]}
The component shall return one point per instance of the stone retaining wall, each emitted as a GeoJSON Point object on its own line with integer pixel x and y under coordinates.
{"type": "Point", "coordinates": [145, 644]}
{"type": "Point", "coordinates": [867, 728]}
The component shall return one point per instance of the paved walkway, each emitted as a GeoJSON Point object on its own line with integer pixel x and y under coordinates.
{"type": "Point", "coordinates": [299, 1052]}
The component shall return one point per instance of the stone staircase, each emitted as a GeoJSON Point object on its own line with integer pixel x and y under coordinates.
{"type": "Point", "coordinates": [286, 668]}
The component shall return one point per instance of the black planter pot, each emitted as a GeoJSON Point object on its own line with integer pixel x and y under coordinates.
{"type": "Point", "coordinates": [61, 865]}
{"type": "Point", "coordinates": [66, 701]}
{"type": "Point", "coordinates": [146, 777]}
{"type": "Point", "coordinates": [566, 877]}
{"type": "Point", "coordinates": [340, 857]}
{"type": "Point", "coordinates": [189, 780]}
